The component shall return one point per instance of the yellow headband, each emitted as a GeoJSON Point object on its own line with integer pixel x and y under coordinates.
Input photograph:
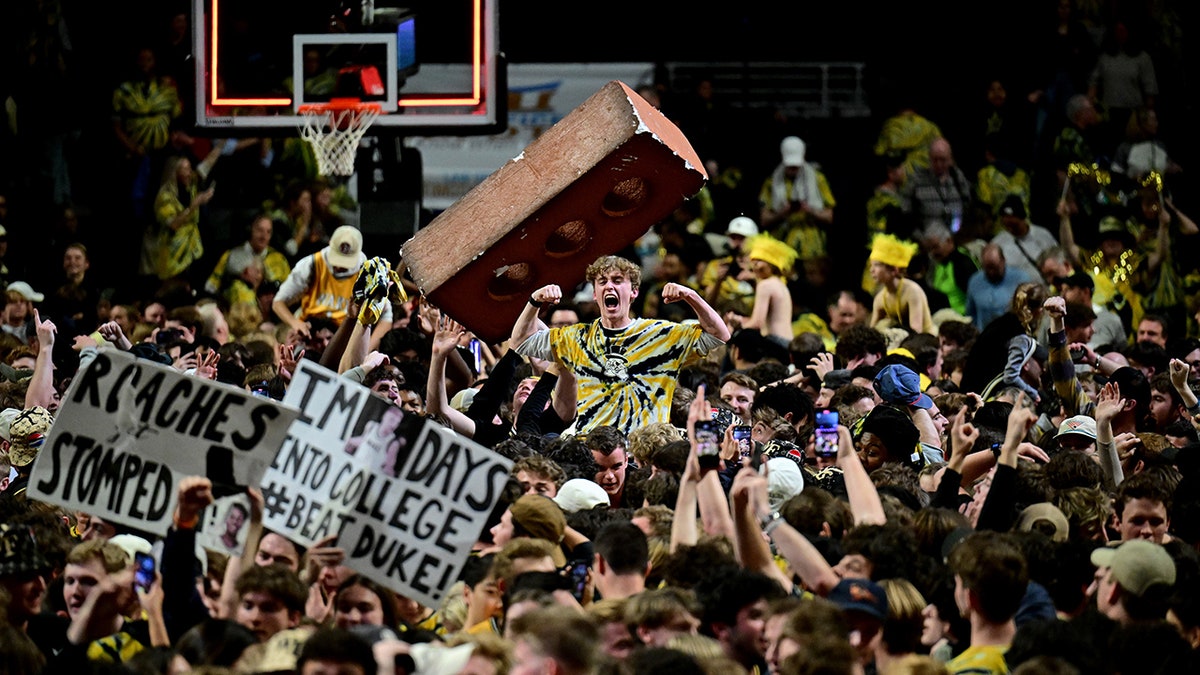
{"type": "Point", "coordinates": [889, 250]}
{"type": "Point", "coordinates": [766, 248]}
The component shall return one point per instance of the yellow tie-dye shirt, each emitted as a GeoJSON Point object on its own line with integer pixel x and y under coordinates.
{"type": "Point", "coordinates": [626, 377]}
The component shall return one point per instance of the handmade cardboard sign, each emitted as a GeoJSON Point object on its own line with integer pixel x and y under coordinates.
{"type": "Point", "coordinates": [129, 430]}
{"type": "Point", "coordinates": [407, 497]}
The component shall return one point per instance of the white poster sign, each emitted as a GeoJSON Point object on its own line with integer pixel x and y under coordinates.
{"type": "Point", "coordinates": [129, 430]}
{"type": "Point", "coordinates": [407, 497]}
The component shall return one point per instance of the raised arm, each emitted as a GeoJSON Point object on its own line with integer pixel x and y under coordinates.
{"type": "Point", "coordinates": [684, 530]}
{"type": "Point", "coordinates": [180, 218]}
{"type": "Point", "coordinates": [1180, 371]}
{"type": "Point", "coordinates": [41, 386]}
{"type": "Point", "coordinates": [802, 557]}
{"type": "Point", "coordinates": [1162, 244]}
{"type": "Point", "coordinates": [331, 357]}
{"type": "Point", "coordinates": [748, 497]}
{"type": "Point", "coordinates": [111, 331]}
{"type": "Point", "coordinates": [565, 399]}
{"type": "Point", "coordinates": [1108, 404]}
{"type": "Point", "coordinates": [1062, 369]}
{"type": "Point", "coordinates": [527, 324]}
{"type": "Point", "coordinates": [1066, 235]}
{"type": "Point", "coordinates": [459, 374]}
{"type": "Point", "coordinates": [182, 605]}
{"type": "Point", "coordinates": [1019, 422]}
{"type": "Point", "coordinates": [356, 346]}
{"type": "Point", "coordinates": [445, 341]}
{"type": "Point", "coordinates": [713, 290]}
{"type": "Point", "coordinates": [710, 495]}
{"type": "Point", "coordinates": [963, 435]}
{"type": "Point", "coordinates": [714, 506]}
{"type": "Point", "coordinates": [708, 317]}
{"type": "Point", "coordinates": [998, 512]}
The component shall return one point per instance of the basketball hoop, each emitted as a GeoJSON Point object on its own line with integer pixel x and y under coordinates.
{"type": "Point", "coordinates": [334, 129]}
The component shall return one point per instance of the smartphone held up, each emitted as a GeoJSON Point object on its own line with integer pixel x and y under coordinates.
{"type": "Point", "coordinates": [741, 434]}
{"type": "Point", "coordinates": [708, 445]}
{"type": "Point", "coordinates": [826, 434]}
{"type": "Point", "coordinates": [143, 573]}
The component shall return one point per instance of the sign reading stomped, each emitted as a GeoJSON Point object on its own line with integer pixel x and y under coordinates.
{"type": "Point", "coordinates": [407, 497]}
{"type": "Point", "coordinates": [129, 430]}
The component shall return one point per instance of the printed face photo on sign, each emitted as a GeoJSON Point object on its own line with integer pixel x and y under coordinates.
{"type": "Point", "coordinates": [409, 526]}
{"type": "Point", "coordinates": [224, 524]}
{"type": "Point", "coordinates": [377, 438]}
{"type": "Point", "coordinates": [235, 518]}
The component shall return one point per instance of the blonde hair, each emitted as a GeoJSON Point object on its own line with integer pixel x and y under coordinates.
{"type": "Point", "coordinates": [720, 665]}
{"type": "Point", "coordinates": [495, 649]}
{"type": "Point", "coordinates": [660, 518]}
{"type": "Point", "coordinates": [112, 557]}
{"type": "Point", "coordinates": [696, 646]}
{"type": "Point", "coordinates": [521, 548]}
{"type": "Point", "coordinates": [904, 600]}
{"type": "Point", "coordinates": [660, 550]}
{"type": "Point", "coordinates": [244, 319]}
{"type": "Point", "coordinates": [1027, 305]}
{"type": "Point", "coordinates": [608, 610]}
{"type": "Point", "coordinates": [644, 439]}
{"type": "Point", "coordinates": [655, 607]}
{"type": "Point", "coordinates": [1083, 506]}
{"type": "Point", "coordinates": [918, 664]}
{"type": "Point", "coordinates": [453, 609]}
{"type": "Point", "coordinates": [141, 331]}
{"type": "Point", "coordinates": [170, 182]}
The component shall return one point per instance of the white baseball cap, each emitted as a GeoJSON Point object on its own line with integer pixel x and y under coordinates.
{"type": "Point", "coordinates": [26, 291]}
{"type": "Point", "coordinates": [1081, 425]}
{"type": "Point", "coordinates": [345, 248]}
{"type": "Point", "coordinates": [580, 494]}
{"type": "Point", "coordinates": [792, 150]}
{"type": "Point", "coordinates": [784, 481]}
{"type": "Point", "coordinates": [742, 226]}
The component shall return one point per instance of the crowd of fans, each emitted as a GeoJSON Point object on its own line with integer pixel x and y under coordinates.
{"type": "Point", "coordinates": [977, 457]}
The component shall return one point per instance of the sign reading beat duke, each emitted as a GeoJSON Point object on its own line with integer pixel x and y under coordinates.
{"type": "Point", "coordinates": [129, 430]}
{"type": "Point", "coordinates": [407, 497]}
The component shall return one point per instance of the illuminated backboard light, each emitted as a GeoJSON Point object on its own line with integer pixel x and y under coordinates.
{"type": "Point", "coordinates": [449, 74]}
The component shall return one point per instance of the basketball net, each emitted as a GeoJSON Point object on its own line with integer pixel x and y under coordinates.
{"type": "Point", "coordinates": [334, 130]}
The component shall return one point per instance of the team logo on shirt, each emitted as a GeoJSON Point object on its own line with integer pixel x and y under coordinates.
{"type": "Point", "coordinates": [616, 367]}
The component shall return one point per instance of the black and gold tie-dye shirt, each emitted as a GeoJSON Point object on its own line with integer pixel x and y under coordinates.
{"type": "Point", "coordinates": [627, 376]}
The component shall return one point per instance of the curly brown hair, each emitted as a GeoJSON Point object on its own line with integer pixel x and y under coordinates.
{"type": "Point", "coordinates": [610, 263]}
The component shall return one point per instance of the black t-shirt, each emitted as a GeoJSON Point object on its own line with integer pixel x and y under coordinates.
{"type": "Point", "coordinates": [49, 633]}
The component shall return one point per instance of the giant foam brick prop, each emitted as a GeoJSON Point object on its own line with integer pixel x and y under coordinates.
{"type": "Point", "coordinates": [590, 186]}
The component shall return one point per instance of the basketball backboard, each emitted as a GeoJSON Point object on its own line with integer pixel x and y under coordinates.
{"type": "Point", "coordinates": [434, 65]}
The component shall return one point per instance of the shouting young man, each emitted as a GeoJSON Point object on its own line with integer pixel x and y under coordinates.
{"type": "Point", "coordinates": [626, 368]}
